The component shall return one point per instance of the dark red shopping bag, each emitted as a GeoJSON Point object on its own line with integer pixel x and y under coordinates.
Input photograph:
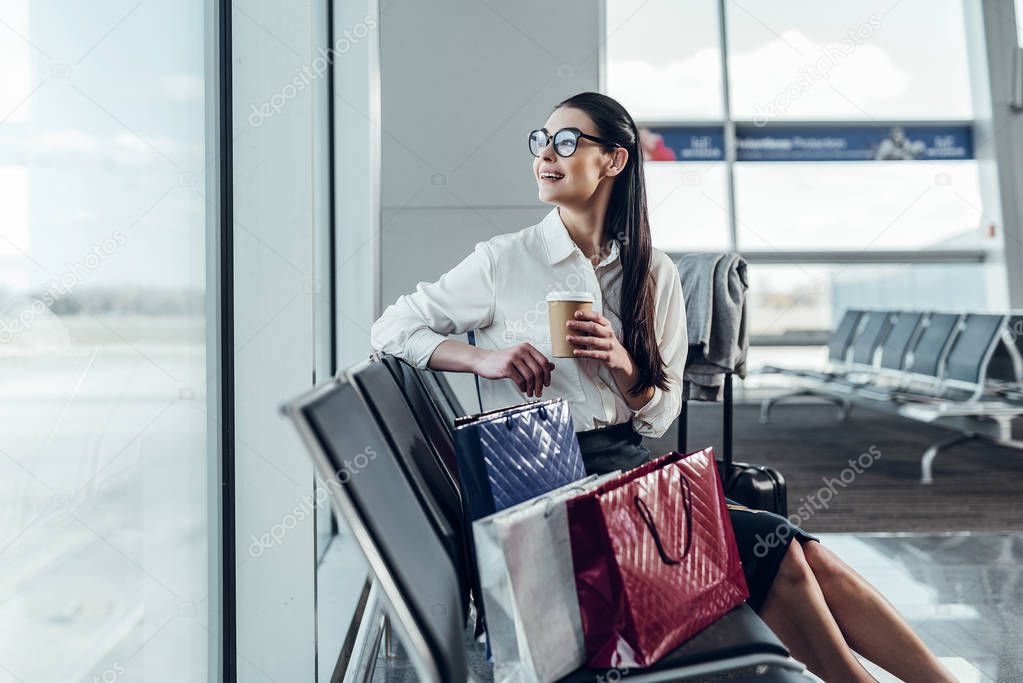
{"type": "Point", "coordinates": [655, 559]}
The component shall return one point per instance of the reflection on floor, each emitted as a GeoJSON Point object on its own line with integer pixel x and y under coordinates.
{"type": "Point", "coordinates": [962, 593]}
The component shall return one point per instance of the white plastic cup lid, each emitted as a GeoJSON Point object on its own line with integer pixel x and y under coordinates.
{"type": "Point", "coordinates": [570, 296]}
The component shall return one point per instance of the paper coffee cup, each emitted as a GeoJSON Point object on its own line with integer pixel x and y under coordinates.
{"type": "Point", "coordinates": [561, 307]}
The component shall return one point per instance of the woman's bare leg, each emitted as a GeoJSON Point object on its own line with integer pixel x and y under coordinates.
{"type": "Point", "coordinates": [797, 612]}
{"type": "Point", "coordinates": [870, 624]}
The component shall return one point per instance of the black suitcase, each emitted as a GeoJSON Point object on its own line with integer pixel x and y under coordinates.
{"type": "Point", "coordinates": [755, 486]}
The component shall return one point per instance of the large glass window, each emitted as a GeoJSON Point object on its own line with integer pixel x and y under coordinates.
{"type": "Point", "coordinates": [859, 205]}
{"type": "Point", "coordinates": [1018, 6]}
{"type": "Point", "coordinates": [866, 59]}
{"type": "Point", "coordinates": [103, 321]}
{"type": "Point", "coordinates": [687, 204]}
{"type": "Point", "coordinates": [664, 58]}
{"type": "Point", "coordinates": [845, 139]}
{"type": "Point", "coordinates": [792, 305]}
{"type": "Point", "coordinates": [797, 299]}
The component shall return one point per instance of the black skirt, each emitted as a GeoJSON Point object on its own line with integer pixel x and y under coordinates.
{"type": "Point", "coordinates": [763, 537]}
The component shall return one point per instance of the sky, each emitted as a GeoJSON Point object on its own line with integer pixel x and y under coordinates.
{"type": "Point", "coordinates": [102, 131]}
{"type": "Point", "coordinates": [103, 128]}
{"type": "Point", "coordinates": [664, 64]}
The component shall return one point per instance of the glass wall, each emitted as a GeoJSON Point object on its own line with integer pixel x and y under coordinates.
{"type": "Point", "coordinates": [832, 145]}
{"type": "Point", "coordinates": [147, 345]}
{"type": "Point", "coordinates": [664, 59]}
{"type": "Point", "coordinates": [108, 392]}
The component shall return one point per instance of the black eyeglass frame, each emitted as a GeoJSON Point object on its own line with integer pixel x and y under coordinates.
{"type": "Point", "coordinates": [578, 134]}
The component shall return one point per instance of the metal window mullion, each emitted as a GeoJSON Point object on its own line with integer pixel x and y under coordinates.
{"type": "Point", "coordinates": [224, 358]}
{"type": "Point", "coordinates": [729, 129]}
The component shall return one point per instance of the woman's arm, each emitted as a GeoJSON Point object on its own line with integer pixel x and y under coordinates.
{"type": "Point", "coordinates": [461, 300]}
{"type": "Point", "coordinates": [522, 363]}
{"type": "Point", "coordinates": [626, 379]}
{"type": "Point", "coordinates": [415, 327]}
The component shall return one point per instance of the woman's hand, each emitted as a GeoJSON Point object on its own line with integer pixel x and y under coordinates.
{"type": "Point", "coordinates": [522, 363]}
{"type": "Point", "coordinates": [593, 337]}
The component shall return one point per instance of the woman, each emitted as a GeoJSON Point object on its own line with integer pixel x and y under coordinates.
{"type": "Point", "coordinates": [624, 381]}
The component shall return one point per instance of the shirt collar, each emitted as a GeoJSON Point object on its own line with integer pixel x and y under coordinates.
{"type": "Point", "coordinates": [559, 243]}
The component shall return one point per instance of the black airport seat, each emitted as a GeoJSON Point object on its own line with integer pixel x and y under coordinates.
{"type": "Point", "coordinates": [872, 335]}
{"type": "Point", "coordinates": [1005, 369]}
{"type": "Point", "coordinates": [413, 567]}
{"type": "Point", "coordinates": [840, 348]}
{"type": "Point", "coordinates": [426, 393]}
{"type": "Point", "coordinates": [845, 335]}
{"type": "Point", "coordinates": [735, 637]}
{"type": "Point", "coordinates": [873, 332]}
{"type": "Point", "coordinates": [924, 361]}
{"type": "Point", "coordinates": [407, 558]}
{"type": "Point", "coordinates": [961, 371]}
{"type": "Point", "coordinates": [967, 361]}
{"type": "Point", "coordinates": [444, 397]}
{"type": "Point", "coordinates": [839, 345]}
{"type": "Point", "coordinates": [433, 482]}
{"type": "Point", "coordinates": [894, 355]}
{"type": "Point", "coordinates": [935, 340]}
{"type": "Point", "coordinates": [900, 339]}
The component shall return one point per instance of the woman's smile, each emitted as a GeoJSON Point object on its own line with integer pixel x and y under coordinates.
{"type": "Point", "coordinates": [550, 176]}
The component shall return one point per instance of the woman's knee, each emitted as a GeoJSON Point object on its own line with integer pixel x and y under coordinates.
{"type": "Point", "coordinates": [795, 572]}
{"type": "Point", "coordinates": [825, 566]}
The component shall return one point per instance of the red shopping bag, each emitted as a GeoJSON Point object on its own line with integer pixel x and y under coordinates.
{"type": "Point", "coordinates": [655, 559]}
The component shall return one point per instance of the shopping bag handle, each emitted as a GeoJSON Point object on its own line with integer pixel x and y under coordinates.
{"type": "Point", "coordinates": [648, 519]}
{"type": "Point", "coordinates": [541, 411]}
{"type": "Point", "coordinates": [550, 500]}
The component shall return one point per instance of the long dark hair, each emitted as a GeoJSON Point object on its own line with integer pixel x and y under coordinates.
{"type": "Point", "coordinates": [626, 221]}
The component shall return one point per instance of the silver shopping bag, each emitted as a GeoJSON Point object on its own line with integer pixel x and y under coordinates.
{"type": "Point", "coordinates": [524, 556]}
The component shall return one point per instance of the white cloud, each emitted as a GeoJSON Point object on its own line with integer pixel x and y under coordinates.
{"type": "Point", "coordinates": [689, 87]}
{"type": "Point", "coordinates": [867, 75]}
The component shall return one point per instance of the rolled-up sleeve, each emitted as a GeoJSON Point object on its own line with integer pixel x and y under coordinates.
{"type": "Point", "coordinates": [654, 418]}
{"type": "Point", "coordinates": [461, 300]}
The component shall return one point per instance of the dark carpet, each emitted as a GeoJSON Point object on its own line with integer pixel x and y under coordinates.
{"type": "Point", "coordinates": [977, 486]}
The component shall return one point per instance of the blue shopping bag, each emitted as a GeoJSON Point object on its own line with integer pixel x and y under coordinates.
{"type": "Point", "coordinates": [509, 455]}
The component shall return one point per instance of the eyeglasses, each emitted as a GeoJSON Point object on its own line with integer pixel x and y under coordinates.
{"type": "Point", "coordinates": [566, 141]}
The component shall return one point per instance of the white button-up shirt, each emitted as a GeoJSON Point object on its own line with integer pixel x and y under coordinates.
{"type": "Point", "coordinates": [499, 291]}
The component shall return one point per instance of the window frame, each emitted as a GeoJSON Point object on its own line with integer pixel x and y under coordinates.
{"type": "Point", "coordinates": [730, 125]}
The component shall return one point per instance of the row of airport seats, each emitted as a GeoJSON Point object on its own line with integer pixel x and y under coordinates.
{"type": "Point", "coordinates": [381, 437]}
{"type": "Point", "coordinates": [959, 370]}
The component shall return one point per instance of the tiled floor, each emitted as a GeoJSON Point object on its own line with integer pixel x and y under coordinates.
{"type": "Point", "coordinates": [963, 593]}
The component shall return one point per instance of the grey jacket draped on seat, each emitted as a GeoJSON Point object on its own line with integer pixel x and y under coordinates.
{"type": "Point", "coordinates": [714, 287]}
